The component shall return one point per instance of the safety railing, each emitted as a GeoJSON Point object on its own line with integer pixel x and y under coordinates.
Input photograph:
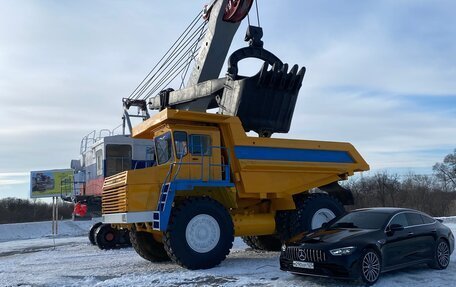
{"type": "Point", "coordinates": [224, 175]}
{"type": "Point", "coordinates": [93, 137]}
{"type": "Point", "coordinates": [87, 141]}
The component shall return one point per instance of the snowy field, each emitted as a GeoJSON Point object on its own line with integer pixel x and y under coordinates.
{"type": "Point", "coordinates": [70, 260]}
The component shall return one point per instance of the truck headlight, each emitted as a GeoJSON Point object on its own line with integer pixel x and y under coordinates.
{"type": "Point", "coordinates": [343, 251]}
{"type": "Point", "coordinates": [284, 247]}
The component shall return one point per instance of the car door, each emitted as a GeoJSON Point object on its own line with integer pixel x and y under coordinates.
{"type": "Point", "coordinates": [421, 237]}
{"type": "Point", "coordinates": [430, 230]}
{"type": "Point", "coordinates": [395, 247]}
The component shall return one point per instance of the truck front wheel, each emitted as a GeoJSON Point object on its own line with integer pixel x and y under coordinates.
{"type": "Point", "coordinates": [147, 247]}
{"type": "Point", "coordinates": [200, 233]}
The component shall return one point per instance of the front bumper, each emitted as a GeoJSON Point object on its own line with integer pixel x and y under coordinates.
{"type": "Point", "coordinates": [128, 217]}
{"type": "Point", "coordinates": [341, 267]}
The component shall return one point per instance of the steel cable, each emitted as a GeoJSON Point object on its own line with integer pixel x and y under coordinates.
{"type": "Point", "coordinates": [173, 60]}
{"type": "Point", "coordinates": [156, 65]}
{"type": "Point", "coordinates": [181, 47]}
{"type": "Point", "coordinates": [183, 43]}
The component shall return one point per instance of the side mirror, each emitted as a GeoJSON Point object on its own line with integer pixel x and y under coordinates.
{"type": "Point", "coordinates": [325, 225]}
{"type": "Point", "coordinates": [395, 227]}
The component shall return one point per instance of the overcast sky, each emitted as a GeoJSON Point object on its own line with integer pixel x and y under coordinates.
{"type": "Point", "coordinates": [380, 74]}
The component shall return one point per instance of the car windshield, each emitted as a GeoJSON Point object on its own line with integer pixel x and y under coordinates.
{"type": "Point", "coordinates": [362, 219]}
{"type": "Point", "coordinates": [164, 148]}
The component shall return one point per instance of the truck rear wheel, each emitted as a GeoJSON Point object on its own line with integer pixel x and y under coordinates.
{"type": "Point", "coordinates": [92, 232]}
{"type": "Point", "coordinates": [311, 212]}
{"type": "Point", "coordinates": [147, 247]}
{"type": "Point", "coordinates": [200, 233]}
{"type": "Point", "coordinates": [263, 242]}
{"type": "Point", "coordinates": [123, 237]}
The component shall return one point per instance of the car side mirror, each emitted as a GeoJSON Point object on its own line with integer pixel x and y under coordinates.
{"type": "Point", "coordinates": [325, 225]}
{"type": "Point", "coordinates": [396, 227]}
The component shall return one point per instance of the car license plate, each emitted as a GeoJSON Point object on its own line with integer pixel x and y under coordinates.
{"type": "Point", "coordinates": [301, 264]}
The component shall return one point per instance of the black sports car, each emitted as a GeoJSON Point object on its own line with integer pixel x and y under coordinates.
{"type": "Point", "coordinates": [367, 242]}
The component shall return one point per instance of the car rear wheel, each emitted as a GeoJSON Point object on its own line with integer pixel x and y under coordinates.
{"type": "Point", "coordinates": [441, 255]}
{"type": "Point", "coordinates": [370, 266]}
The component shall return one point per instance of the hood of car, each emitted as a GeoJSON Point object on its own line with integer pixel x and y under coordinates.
{"type": "Point", "coordinates": [335, 235]}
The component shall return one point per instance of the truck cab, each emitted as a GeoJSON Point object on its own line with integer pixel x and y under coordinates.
{"type": "Point", "coordinates": [189, 159]}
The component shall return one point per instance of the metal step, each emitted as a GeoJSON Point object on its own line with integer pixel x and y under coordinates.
{"type": "Point", "coordinates": [161, 212]}
{"type": "Point", "coordinates": [156, 220]}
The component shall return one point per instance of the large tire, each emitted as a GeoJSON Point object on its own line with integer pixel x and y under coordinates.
{"type": "Point", "coordinates": [200, 233]}
{"type": "Point", "coordinates": [311, 212]}
{"type": "Point", "coordinates": [263, 242]}
{"type": "Point", "coordinates": [248, 240]}
{"type": "Point", "coordinates": [123, 238]}
{"type": "Point", "coordinates": [441, 256]}
{"type": "Point", "coordinates": [91, 234]}
{"type": "Point", "coordinates": [147, 247]}
{"type": "Point", "coordinates": [105, 237]}
{"type": "Point", "coordinates": [370, 266]}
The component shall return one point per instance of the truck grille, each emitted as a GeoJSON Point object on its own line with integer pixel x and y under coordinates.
{"type": "Point", "coordinates": [114, 198]}
{"type": "Point", "coordinates": [303, 254]}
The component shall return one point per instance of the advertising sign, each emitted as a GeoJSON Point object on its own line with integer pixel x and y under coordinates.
{"type": "Point", "coordinates": [48, 183]}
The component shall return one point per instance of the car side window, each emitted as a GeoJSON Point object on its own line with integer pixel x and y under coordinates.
{"type": "Point", "coordinates": [427, 219]}
{"type": "Point", "coordinates": [399, 219]}
{"type": "Point", "coordinates": [414, 219]}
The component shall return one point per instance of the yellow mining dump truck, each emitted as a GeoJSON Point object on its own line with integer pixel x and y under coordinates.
{"type": "Point", "coordinates": [213, 182]}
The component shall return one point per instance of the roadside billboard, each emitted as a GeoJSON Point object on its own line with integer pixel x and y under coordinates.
{"type": "Point", "coordinates": [48, 183]}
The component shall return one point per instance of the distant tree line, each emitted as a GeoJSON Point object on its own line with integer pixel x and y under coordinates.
{"type": "Point", "coordinates": [16, 210]}
{"type": "Point", "coordinates": [434, 194]}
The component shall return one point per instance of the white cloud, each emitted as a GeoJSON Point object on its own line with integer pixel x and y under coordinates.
{"type": "Point", "coordinates": [64, 67]}
{"type": "Point", "coordinates": [13, 178]}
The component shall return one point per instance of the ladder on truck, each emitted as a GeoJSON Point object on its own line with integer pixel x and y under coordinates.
{"type": "Point", "coordinates": [172, 184]}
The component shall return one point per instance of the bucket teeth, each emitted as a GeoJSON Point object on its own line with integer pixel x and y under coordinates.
{"type": "Point", "coordinates": [278, 77]}
{"type": "Point", "coordinates": [285, 76]}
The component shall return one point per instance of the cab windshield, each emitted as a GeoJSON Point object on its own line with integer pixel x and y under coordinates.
{"type": "Point", "coordinates": [362, 219]}
{"type": "Point", "coordinates": [163, 145]}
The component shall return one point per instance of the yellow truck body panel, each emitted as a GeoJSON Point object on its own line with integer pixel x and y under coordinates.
{"type": "Point", "coordinates": [259, 169]}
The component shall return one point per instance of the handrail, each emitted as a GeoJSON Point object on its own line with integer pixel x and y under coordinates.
{"type": "Point", "coordinates": [100, 133]}
{"type": "Point", "coordinates": [85, 141]}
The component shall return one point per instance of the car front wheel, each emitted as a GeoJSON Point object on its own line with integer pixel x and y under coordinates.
{"type": "Point", "coordinates": [370, 265]}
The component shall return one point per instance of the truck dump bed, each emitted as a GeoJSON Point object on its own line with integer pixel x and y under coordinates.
{"type": "Point", "coordinates": [269, 167]}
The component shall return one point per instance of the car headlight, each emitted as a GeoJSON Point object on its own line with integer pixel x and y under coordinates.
{"type": "Point", "coordinates": [284, 247]}
{"type": "Point", "coordinates": [343, 251]}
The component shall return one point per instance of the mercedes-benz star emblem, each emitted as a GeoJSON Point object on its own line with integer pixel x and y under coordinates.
{"type": "Point", "coordinates": [301, 255]}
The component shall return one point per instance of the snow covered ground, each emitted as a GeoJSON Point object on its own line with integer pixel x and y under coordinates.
{"type": "Point", "coordinates": [72, 261]}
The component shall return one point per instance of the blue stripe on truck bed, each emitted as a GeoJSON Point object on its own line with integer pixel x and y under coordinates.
{"type": "Point", "coordinates": [291, 154]}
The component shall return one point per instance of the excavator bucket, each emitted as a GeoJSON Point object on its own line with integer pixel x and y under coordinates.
{"type": "Point", "coordinates": [265, 102]}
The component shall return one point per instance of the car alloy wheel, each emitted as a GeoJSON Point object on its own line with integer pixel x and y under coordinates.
{"type": "Point", "coordinates": [443, 254]}
{"type": "Point", "coordinates": [370, 267]}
